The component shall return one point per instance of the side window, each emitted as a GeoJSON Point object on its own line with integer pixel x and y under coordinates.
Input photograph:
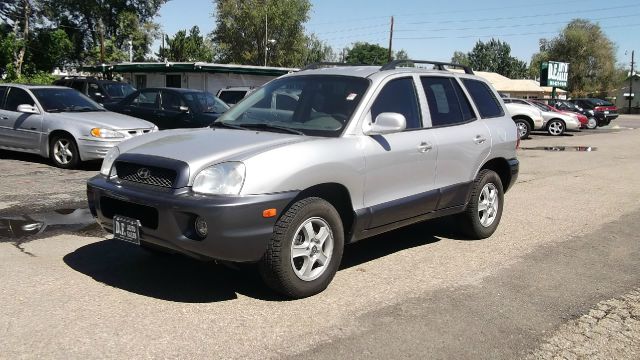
{"type": "Point", "coordinates": [399, 96]}
{"type": "Point", "coordinates": [17, 97]}
{"type": "Point", "coordinates": [171, 101]}
{"type": "Point", "coordinates": [78, 85]}
{"type": "Point", "coordinates": [3, 92]}
{"type": "Point", "coordinates": [146, 99]}
{"type": "Point", "coordinates": [484, 98]}
{"type": "Point", "coordinates": [94, 89]}
{"type": "Point", "coordinates": [447, 104]}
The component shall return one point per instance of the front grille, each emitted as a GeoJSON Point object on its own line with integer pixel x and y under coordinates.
{"type": "Point", "coordinates": [147, 215]}
{"type": "Point", "coordinates": [148, 175]}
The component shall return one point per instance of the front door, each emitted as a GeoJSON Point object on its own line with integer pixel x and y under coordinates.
{"type": "Point", "coordinates": [144, 106]}
{"type": "Point", "coordinates": [20, 130]}
{"type": "Point", "coordinates": [400, 167]}
{"type": "Point", "coordinates": [172, 114]}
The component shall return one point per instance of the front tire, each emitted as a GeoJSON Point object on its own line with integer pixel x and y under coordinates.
{"type": "Point", "coordinates": [63, 152]}
{"type": "Point", "coordinates": [555, 127]}
{"type": "Point", "coordinates": [524, 129]}
{"type": "Point", "coordinates": [483, 214]}
{"type": "Point", "coordinates": [305, 250]}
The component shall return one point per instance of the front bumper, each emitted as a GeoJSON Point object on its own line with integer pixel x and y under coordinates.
{"type": "Point", "coordinates": [91, 149]}
{"type": "Point", "coordinates": [237, 229]}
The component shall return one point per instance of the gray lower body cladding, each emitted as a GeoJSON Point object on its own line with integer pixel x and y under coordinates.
{"type": "Point", "coordinates": [237, 229]}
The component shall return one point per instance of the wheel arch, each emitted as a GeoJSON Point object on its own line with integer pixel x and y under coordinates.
{"type": "Point", "coordinates": [501, 167]}
{"type": "Point", "coordinates": [525, 118]}
{"type": "Point", "coordinates": [335, 194]}
{"type": "Point", "coordinates": [59, 132]}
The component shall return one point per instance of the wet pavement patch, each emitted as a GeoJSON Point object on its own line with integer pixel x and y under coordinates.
{"type": "Point", "coordinates": [562, 148]}
{"type": "Point", "coordinates": [13, 228]}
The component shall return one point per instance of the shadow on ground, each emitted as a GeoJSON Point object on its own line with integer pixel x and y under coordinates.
{"type": "Point", "coordinates": [93, 165]}
{"type": "Point", "coordinates": [181, 279]}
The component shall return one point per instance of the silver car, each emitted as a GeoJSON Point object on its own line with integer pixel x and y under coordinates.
{"type": "Point", "coordinates": [364, 150]}
{"type": "Point", "coordinates": [555, 123]}
{"type": "Point", "coordinates": [62, 124]}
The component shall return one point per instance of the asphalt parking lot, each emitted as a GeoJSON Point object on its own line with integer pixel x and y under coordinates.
{"type": "Point", "coordinates": [559, 278]}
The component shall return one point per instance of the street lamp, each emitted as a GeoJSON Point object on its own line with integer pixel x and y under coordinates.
{"type": "Point", "coordinates": [266, 48]}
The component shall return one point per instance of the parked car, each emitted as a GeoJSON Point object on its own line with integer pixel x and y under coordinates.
{"type": "Point", "coordinates": [581, 118]}
{"type": "Point", "coordinates": [62, 124]}
{"type": "Point", "coordinates": [567, 105]}
{"type": "Point", "coordinates": [601, 110]}
{"type": "Point", "coordinates": [231, 95]}
{"type": "Point", "coordinates": [555, 123]}
{"type": "Point", "coordinates": [526, 118]}
{"type": "Point", "coordinates": [172, 108]}
{"type": "Point", "coordinates": [289, 188]}
{"type": "Point", "coordinates": [101, 91]}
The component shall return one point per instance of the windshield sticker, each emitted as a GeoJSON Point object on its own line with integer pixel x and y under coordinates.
{"type": "Point", "coordinates": [351, 96]}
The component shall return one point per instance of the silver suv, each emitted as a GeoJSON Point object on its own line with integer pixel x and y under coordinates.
{"type": "Point", "coordinates": [365, 150]}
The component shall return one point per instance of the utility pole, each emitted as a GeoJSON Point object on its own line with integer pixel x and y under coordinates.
{"type": "Point", "coordinates": [391, 41]}
{"type": "Point", "coordinates": [631, 81]}
{"type": "Point", "coordinates": [101, 30]}
{"type": "Point", "coordinates": [266, 32]}
{"type": "Point", "coordinates": [130, 50]}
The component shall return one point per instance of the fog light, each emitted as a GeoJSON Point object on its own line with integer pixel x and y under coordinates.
{"type": "Point", "coordinates": [201, 226]}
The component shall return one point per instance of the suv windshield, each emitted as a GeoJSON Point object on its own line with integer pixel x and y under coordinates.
{"type": "Point", "coordinates": [64, 100]}
{"type": "Point", "coordinates": [598, 102]}
{"type": "Point", "coordinates": [206, 102]}
{"type": "Point", "coordinates": [317, 105]}
{"type": "Point", "coordinates": [118, 90]}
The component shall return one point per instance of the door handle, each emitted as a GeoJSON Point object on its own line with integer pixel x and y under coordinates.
{"type": "Point", "coordinates": [479, 139]}
{"type": "Point", "coordinates": [424, 147]}
{"type": "Point", "coordinates": [4, 118]}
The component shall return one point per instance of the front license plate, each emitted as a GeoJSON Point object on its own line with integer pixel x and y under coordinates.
{"type": "Point", "coordinates": [126, 229]}
{"type": "Point", "coordinates": [606, 112]}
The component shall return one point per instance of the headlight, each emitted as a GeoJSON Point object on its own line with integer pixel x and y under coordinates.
{"type": "Point", "coordinates": [108, 161]}
{"type": "Point", "coordinates": [155, 128]}
{"type": "Point", "coordinates": [221, 179]}
{"type": "Point", "coordinates": [105, 133]}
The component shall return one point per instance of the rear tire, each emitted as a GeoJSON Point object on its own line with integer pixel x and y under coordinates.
{"type": "Point", "coordinates": [592, 123]}
{"type": "Point", "coordinates": [483, 214]}
{"type": "Point", "coordinates": [305, 250]}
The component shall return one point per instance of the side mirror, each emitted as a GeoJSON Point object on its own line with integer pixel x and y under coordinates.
{"type": "Point", "coordinates": [387, 123]}
{"type": "Point", "coordinates": [184, 109]}
{"type": "Point", "coordinates": [28, 109]}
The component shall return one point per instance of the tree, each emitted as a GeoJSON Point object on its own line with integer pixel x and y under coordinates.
{"type": "Point", "coordinates": [590, 54]}
{"type": "Point", "coordinates": [495, 56]}
{"type": "Point", "coordinates": [183, 47]}
{"type": "Point", "coordinates": [317, 50]}
{"type": "Point", "coordinates": [460, 58]}
{"type": "Point", "coordinates": [50, 49]}
{"type": "Point", "coordinates": [401, 55]}
{"type": "Point", "coordinates": [241, 35]}
{"type": "Point", "coordinates": [366, 53]}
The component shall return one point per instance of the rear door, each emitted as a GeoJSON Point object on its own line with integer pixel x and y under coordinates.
{"type": "Point", "coordinates": [400, 167]}
{"type": "Point", "coordinates": [20, 130]}
{"type": "Point", "coordinates": [464, 142]}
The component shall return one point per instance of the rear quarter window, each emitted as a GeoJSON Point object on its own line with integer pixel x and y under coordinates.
{"type": "Point", "coordinates": [484, 98]}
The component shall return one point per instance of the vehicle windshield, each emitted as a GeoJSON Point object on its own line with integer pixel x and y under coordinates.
{"type": "Point", "coordinates": [540, 106]}
{"type": "Point", "coordinates": [65, 100]}
{"type": "Point", "coordinates": [118, 90]}
{"type": "Point", "coordinates": [317, 105]}
{"type": "Point", "coordinates": [206, 102]}
{"type": "Point", "coordinates": [598, 102]}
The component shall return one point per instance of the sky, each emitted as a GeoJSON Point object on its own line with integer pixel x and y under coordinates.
{"type": "Point", "coordinates": [433, 30]}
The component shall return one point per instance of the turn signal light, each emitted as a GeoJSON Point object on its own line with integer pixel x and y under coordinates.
{"type": "Point", "coordinates": [269, 213]}
{"type": "Point", "coordinates": [95, 132]}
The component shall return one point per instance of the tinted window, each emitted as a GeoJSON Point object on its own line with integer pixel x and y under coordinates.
{"type": "Point", "coordinates": [171, 101]}
{"type": "Point", "coordinates": [206, 102]}
{"type": "Point", "coordinates": [78, 85]}
{"type": "Point", "coordinates": [484, 98]}
{"type": "Point", "coordinates": [3, 92]}
{"type": "Point", "coordinates": [398, 96]}
{"type": "Point", "coordinates": [118, 90]}
{"type": "Point", "coordinates": [146, 99]}
{"type": "Point", "coordinates": [447, 103]}
{"type": "Point", "coordinates": [16, 98]}
{"type": "Point", "coordinates": [64, 100]}
{"type": "Point", "coordinates": [232, 96]}
{"type": "Point", "coordinates": [94, 89]}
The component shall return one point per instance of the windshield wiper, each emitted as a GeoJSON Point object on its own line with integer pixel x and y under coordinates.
{"type": "Point", "coordinates": [226, 124]}
{"type": "Point", "coordinates": [264, 126]}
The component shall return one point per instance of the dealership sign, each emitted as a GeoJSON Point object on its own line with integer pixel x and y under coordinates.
{"type": "Point", "coordinates": [553, 73]}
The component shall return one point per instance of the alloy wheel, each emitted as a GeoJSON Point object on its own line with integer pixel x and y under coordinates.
{"type": "Point", "coordinates": [61, 151]}
{"type": "Point", "coordinates": [311, 249]}
{"type": "Point", "coordinates": [488, 204]}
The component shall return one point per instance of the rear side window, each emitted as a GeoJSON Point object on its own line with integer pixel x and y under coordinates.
{"type": "Point", "coordinates": [231, 96]}
{"type": "Point", "coordinates": [78, 85]}
{"type": "Point", "coordinates": [16, 98]}
{"type": "Point", "coordinates": [485, 100]}
{"type": "Point", "coordinates": [447, 103]}
{"type": "Point", "coordinates": [3, 92]}
{"type": "Point", "coordinates": [399, 96]}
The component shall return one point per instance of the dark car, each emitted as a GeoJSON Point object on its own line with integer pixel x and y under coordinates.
{"type": "Point", "coordinates": [172, 108]}
{"type": "Point", "coordinates": [601, 110]}
{"type": "Point", "coordinates": [102, 91]}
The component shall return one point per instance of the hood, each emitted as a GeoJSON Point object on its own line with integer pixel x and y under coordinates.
{"type": "Point", "coordinates": [205, 146]}
{"type": "Point", "coordinates": [103, 119]}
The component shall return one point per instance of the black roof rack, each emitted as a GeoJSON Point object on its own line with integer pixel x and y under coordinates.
{"type": "Point", "coordinates": [438, 65]}
{"type": "Point", "coordinates": [318, 65]}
